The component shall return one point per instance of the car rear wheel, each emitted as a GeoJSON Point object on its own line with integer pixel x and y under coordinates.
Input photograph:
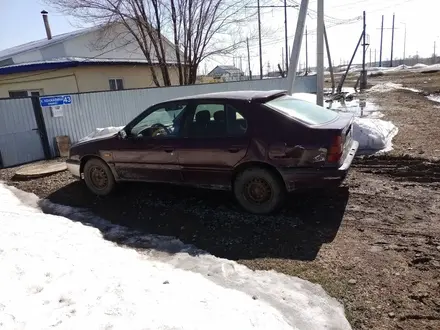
{"type": "Point", "coordinates": [98, 177]}
{"type": "Point", "coordinates": [259, 190]}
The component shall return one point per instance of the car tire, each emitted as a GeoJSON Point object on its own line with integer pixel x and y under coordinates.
{"type": "Point", "coordinates": [98, 177]}
{"type": "Point", "coordinates": [259, 190]}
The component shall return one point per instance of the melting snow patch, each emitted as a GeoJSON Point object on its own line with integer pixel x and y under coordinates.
{"type": "Point", "coordinates": [389, 86]}
{"type": "Point", "coordinates": [61, 274]}
{"type": "Point", "coordinates": [434, 97]}
{"type": "Point", "coordinates": [357, 107]}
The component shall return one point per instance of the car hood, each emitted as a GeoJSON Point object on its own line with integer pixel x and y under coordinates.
{"type": "Point", "coordinates": [100, 134]}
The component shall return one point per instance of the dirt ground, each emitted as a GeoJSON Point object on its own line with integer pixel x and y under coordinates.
{"type": "Point", "coordinates": [374, 243]}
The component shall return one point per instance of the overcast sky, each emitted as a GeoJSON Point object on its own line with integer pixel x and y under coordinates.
{"type": "Point", "coordinates": [21, 22]}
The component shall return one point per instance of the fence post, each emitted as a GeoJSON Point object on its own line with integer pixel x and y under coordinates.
{"type": "Point", "coordinates": [38, 112]}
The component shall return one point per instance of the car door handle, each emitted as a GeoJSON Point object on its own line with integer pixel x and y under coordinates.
{"type": "Point", "coordinates": [168, 149]}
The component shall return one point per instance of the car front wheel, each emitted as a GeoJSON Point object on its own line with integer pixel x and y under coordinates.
{"type": "Point", "coordinates": [98, 177]}
{"type": "Point", "coordinates": [259, 190]}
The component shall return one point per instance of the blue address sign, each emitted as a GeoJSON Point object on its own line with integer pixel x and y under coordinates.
{"type": "Point", "coordinates": [50, 101]}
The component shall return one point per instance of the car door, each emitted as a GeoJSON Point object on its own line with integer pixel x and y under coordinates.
{"type": "Point", "coordinates": [148, 153]}
{"type": "Point", "coordinates": [213, 143]}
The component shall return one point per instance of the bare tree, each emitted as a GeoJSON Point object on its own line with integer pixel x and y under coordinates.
{"type": "Point", "coordinates": [170, 33]}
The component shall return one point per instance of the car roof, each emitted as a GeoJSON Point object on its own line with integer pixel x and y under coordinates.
{"type": "Point", "coordinates": [250, 96]}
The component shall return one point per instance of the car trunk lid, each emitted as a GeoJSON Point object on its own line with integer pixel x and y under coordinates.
{"type": "Point", "coordinates": [341, 133]}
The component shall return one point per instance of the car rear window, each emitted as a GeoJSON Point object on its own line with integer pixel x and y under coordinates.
{"type": "Point", "coordinates": [304, 111]}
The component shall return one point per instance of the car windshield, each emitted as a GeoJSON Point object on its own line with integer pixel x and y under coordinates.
{"type": "Point", "coordinates": [304, 111]}
{"type": "Point", "coordinates": [161, 116]}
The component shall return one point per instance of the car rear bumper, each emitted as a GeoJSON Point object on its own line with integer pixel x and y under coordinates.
{"type": "Point", "coordinates": [74, 167]}
{"type": "Point", "coordinates": [322, 177]}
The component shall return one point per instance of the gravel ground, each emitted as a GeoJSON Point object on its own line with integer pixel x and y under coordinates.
{"type": "Point", "coordinates": [373, 243]}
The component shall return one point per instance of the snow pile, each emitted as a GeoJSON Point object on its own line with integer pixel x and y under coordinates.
{"type": "Point", "coordinates": [398, 68]}
{"type": "Point", "coordinates": [61, 274]}
{"type": "Point", "coordinates": [430, 68]}
{"type": "Point", "coordinates": [419, 66]}
{"type": "Point", "coordinates": [102, 133]}
{"type": "Point", "coordinates": [374, 134]}
{"type": "Point", "coordinates": [369, 69]}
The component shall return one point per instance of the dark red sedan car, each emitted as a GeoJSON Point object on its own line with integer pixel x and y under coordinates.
{"type": "Point", "coordinates": [259, 144]}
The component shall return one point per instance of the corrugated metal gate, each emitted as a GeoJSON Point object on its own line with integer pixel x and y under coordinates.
{"type": "Point", "coordinates": [20, 139]}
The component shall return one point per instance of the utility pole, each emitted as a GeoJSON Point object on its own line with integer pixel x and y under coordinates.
{"type": "Point", "coordinates": [364, 72]}
{"type": "Point", "coordinates": [330, 63]}
{"type": "Point", "coordinates": [320, 54]}
{"type": "Point", "coordinates": [259, 27]}
{"type": "Point", "coordinates": [434, 53]}
{"type": "Point", "coordinates": [392, 42]}
{"type": "Point", "coordinates": [393, 28]}
{"type": "Point", "coordinates": [282, 59]}
{"type": "Point", "coordinates": [285, 36]}
{"type": "Point", "coordinates": [259, 39]}
{"type": "Point", "coordinates": [299, 32]}
{"type": "Point", "coordinates": [370, 58]}
{"type": "Point", "coordinates": [249, 59]}
{"type": "Point", "coordinates": [381, 43]}
{"type": "Point", "coordinates": [344, 76]}
{"type": "Point", "coordinates": [375, 57]}
{"type": "Point", "coordinates": [307, 54]}
{"type": "Point", "coordinates": [404, 45]}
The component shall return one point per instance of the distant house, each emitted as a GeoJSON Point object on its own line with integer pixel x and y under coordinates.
{"type": "Point", "coordinates": [206, 80]}
{"type": "Point", "coordinates": [76, 62]}
{"type": "Point", "coordinates": [226, 73]}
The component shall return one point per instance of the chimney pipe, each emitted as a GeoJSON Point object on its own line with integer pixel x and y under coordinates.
{"type": "Point", "coordinates": [46, 24]}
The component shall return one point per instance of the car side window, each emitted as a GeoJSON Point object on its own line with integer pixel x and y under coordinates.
{"type": "Point", "coordinates": [162, 122]}
{"type": "Point", "coordinates": [209, 120]}
{"type": "Point", "coordinates": [237, 125]}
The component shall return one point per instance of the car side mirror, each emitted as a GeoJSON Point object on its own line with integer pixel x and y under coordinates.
{"type": "Point", "coordinates": [122, 134]}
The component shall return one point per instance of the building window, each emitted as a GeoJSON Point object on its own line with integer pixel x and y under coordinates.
{"type": "Point", "coordinates": [17, 94]}
{"type": "Point", "coordinates": [116, 84]}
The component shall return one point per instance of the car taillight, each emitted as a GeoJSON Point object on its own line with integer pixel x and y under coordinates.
{"type": "Point", "coordinates": [335, 152]}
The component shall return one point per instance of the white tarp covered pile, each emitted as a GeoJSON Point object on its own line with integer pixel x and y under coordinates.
{"type": "Point", "coordinates": [374, 134]}
{"type": "Point", "coordinates": [60, 274]}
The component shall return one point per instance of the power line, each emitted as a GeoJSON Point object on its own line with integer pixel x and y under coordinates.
{"type": "Point", "coordinates": [310, 32]}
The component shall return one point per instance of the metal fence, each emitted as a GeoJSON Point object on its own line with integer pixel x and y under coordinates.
{"type": "Point", "coordinates": [20, 140]}
{"type": "Point", "coordinates": [89, 111]}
